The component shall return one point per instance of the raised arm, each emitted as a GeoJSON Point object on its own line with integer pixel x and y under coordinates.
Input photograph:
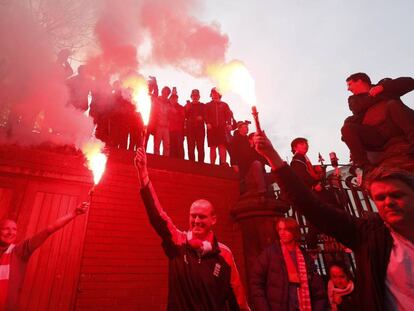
{"type": "Point", "coordinates": [158, 218]}
{"type": "Point", "coordinates": [39, 238]}
{"type": "Point", "coordinates": [330, 220]}
{"type": "Point", "coordinates": [393, 87]}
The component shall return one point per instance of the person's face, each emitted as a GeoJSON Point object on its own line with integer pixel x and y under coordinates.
{"type": "Point", "coordinates": [302, 148]}
{"type": "Point", "coordinates": [8, 232]}
{"type": "Point", "coordinates": [195, 97]}
{"type": "Point", "coordinates": [285, 236]}
{"type": "Point", "coordinates": [395, 202]}
{"type": "Point", "coordinates": [165, 92]}
{"type": "Point", "coordinates": [357, 87]}
{"type": "Point", "coordinates": [244, 129]}
{"type": "Point", "coordinates": [215, 96]}
{"type": "Point", "coordinates": [338, 277]}
{"type": "Point", "coordinates": [201, 219]}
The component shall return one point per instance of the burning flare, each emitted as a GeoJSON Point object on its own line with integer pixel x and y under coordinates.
{"type": "Point", "coordinates": [235, 77]}
{"type": "Point", "coordinates": [96, 158]}
{"type": "Point", "coordinates": [140, 96]}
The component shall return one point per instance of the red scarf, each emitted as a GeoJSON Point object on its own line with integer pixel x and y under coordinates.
{"type": "Point", "coordinates": [299, 276]}
{"type": "Point", "coordinates": [5, 275]}
{"type": "Point", "coordinates": [202, 246]}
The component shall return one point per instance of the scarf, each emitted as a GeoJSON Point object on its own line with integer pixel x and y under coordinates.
{"type": "Point", "coordinates": [5, 275]}
{"type": "Point", "coordinates": [333, 291]}
{"type": "Point", "coordinates": [201, 246]}
{"type": "Point", "coordinates": [299, 276]}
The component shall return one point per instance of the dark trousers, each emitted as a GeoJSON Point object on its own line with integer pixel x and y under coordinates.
{"type": "Point", "coordinates": [176, 145]}
{"type": "Point", "coordinates": [360, 138]}
{"type": "Point", "coordinates": [195, 137]}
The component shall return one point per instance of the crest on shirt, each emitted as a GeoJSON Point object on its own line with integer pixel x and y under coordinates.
{"type": "Point", "coordinates": [217, 269]}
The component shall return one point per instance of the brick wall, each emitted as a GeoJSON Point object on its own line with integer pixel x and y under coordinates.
{"type": "Point", "coordinates": [123, 266]}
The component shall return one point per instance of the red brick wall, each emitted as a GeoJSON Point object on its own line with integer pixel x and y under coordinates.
{"type": "Point", "coordinates": [123, 266]}
{"type": "Point", "coordinates": [115, 256]}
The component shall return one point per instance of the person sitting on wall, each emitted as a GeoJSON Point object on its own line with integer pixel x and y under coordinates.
{"type": "Point", "coordinates": [383, 242]}
{"type": "Point", "coordinates": [379, 118]}
{"type": "Point", "coordinates": [14, 257]}
{"type": "Point", "coordinates": [341, 288]}
{"type": "Point", "coordinates": [284, 277]}
{"type": "Point", "coordinates": [202, 271]}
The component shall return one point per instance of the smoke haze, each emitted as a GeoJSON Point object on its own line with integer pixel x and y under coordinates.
{"type": "Point", "coordinates": [33, 90]}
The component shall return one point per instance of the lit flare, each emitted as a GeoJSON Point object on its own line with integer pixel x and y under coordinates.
{"type": "Point", "coordinates": [140, 97]}
{"type": "Point", "coordinates": [234, 77]}
{"type": "Point", "coordinates": [96, 158]}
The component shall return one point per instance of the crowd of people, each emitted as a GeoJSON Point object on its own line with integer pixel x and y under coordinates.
{"type": "Point", "coordinates": [202, 271]}
{"type": "Point", "coordinates": [120, 126]}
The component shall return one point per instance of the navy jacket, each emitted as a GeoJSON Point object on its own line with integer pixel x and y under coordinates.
{"type": "Point", "coordinates": [269, 282]}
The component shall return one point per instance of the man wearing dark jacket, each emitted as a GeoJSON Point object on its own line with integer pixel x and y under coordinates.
{"type": "Point", "coordinates": [383, 242]}
{"type": "Point", "coordinates": [219, 119]}
{"type": "Point", "coordinates": [202, 272]}
{"type": "Point", "coordinates": [195, 126]}
{"type": "Point", "coordinates": [246, 161]}
{"type": "Point", "coordinates": [398, 119]}
{"type": "Point", "coordinates": [284, 277]}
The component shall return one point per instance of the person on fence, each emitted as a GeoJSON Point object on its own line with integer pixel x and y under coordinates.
{"type": "Point", "coordinates": [383, 242]}
{"type": "Point", "coordinates": [14, 257]}
{"type": "Point", "coordinates": [312, 177]}
{"type": "Point", "coordinates": [380, 119]}
{"type": "Point", "coordinates": [284, 277]}
{"type": "Point", "coordinates": [202, 272]}
{"type": "Point", "coordinates": [341, 288]}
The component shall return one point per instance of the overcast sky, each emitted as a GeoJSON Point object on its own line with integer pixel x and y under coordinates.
{"type": "Point", "coordinates": [300, 53]}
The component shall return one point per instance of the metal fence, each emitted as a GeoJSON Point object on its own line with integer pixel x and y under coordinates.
{"type": "Point", "coordinates": [343, 186]}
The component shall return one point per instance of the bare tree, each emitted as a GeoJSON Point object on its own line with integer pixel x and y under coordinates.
{"type": "Point", "coordinates": [68, 23]}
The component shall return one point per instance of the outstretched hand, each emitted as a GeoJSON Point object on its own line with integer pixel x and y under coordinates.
{"type": "Point", "coordinates": [265, 148]}
{"type": "Point", "coordinates": [262, 144]}
{"type": "Point", "coordinates": [82, 208]}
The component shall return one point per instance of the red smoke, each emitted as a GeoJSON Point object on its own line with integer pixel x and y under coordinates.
{"type": "Point", "coordinates": [32, 86]}
{"type": "Point", "coordinates": [177, 38]}
{"type": "Point", "coordinates": [117, 32]}
{"type": "Point", "coordinates": [180, 40]}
